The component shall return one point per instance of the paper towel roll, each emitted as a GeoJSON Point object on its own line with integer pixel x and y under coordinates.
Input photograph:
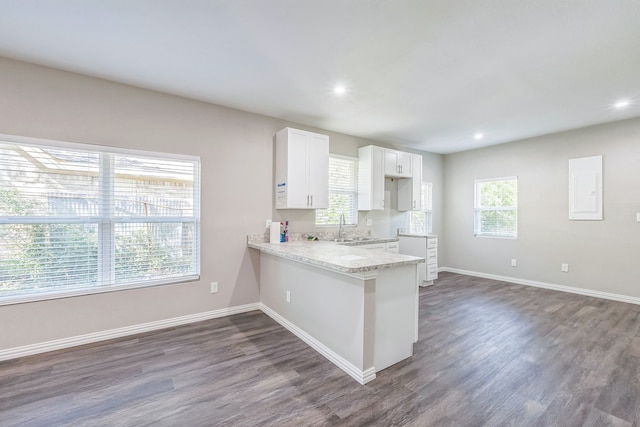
{"type": "Point", "coordinates": [274, 232]}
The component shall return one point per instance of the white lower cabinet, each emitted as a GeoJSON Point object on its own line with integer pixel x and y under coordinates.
{"type": "Point", "coordinates": [425, 247]}
{"type": "Point", "coordinates": [393, 247]}
{"type": "Point", "coordinates": [372, 246]}
{"type": "Point", "coordinates": [432, 259]}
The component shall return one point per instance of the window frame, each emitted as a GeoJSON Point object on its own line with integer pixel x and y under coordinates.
{"type": "Point", "coordinates": [107, 221]}
{"type": "Point", "coordinates": [353, 193]}
{"type": "Point", "coordinates": [477, 223]}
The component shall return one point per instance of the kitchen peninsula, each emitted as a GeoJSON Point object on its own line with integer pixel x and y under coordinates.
{"type": "Point", "coordinates": [357, 307]}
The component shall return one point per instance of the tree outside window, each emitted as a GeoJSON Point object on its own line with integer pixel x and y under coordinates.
{"type": "Point", "coordinates": [496, 207]}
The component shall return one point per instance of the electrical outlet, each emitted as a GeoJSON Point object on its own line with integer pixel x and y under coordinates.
{"type": "Point", "coordinates": [268, 223]}
{"type": "Point", "coordinates": [288, 296]}
{"type": "Point", "coordinates": [370, 222]}
{"type": "Point", "coordinates": [514, 262]}
{"type": "Point", "coordinates": [564, 268]}
{"type": "Point", "coordinates": [638, 217]}
{"type": "Point", "coordinates": [214, 287]}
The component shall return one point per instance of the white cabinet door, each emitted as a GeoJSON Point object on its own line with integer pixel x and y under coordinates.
{"type": "Point", "coordinates": [391, 163]}
{"type": "Point", "coordinates": [370, 178]}
{"type": "Point", "coordinates": [302, 170]}
{"type": "Point", "coordinates": [318, 166]}
{"type": "Point", "coordinates": [416, 181]}
{"type": "Point", "coordinates": [410, 190]}
{"type": "Point", "coordinates": [397, 163]}
{"type": "Point", "coordinates": [377, 179]}
{"type": "Point", "coordinates": [405, 161]}
{"type": "Point", "coordinates": [296, 170]}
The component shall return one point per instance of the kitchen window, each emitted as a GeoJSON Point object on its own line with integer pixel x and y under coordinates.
{"type": "Point", "coordinates": [78, 219]}
{"type": "Point", "coordinates": [496, 207]}
{"type": "Point", "coordinates": [343, 192]}
{"type": "Point", "coordinates": [421, 222]}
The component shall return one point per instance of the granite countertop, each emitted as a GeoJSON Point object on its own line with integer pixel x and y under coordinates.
{"type": "Point", "coordinates": [334, 256]}
{"type": "Point", "coordinates": [359, 241]}
{"type": "Point", "coordinates": [416, 235]}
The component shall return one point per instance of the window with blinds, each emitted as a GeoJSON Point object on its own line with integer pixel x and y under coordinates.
{"type": "Point", "coordinates": [421, 222]}
{"type": "Point", "coordinates": [78, 219]}
{"type": "Point", "coordinates": [496, 207]}
{"type": "Point", "coordinates": [343, 192]}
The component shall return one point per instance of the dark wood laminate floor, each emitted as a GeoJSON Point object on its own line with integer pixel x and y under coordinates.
{"type": "Point", "coordinates": [489, 354]}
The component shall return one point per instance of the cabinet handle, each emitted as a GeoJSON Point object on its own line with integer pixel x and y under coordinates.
{"type": "Point", "coordinates": [414, 204]}
{"type": "Point", "coordinates": [312, 200]}
{"type": "Point", "coordinates": [400, 168]}
{"type": "Point", "coordinates": [307, 200]}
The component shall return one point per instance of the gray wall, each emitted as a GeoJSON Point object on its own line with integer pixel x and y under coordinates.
{"type": "Point", "coordinates": [237, 196]}
{"type": "Point", "coordinates": [602, 255]}
{"type": "Point", "coordinates": [236, 149]}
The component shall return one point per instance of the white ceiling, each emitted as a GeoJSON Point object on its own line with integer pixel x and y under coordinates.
{"type": "Point", "coordinates": [425, 74]}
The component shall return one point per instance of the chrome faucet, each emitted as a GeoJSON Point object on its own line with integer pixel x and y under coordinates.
{"type": "Point", "coordinates": [340, 231]}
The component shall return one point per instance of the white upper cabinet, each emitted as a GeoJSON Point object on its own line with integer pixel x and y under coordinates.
{"type": "Point", "coordinates": [302, 170]}
{"type": "Point", "coordinates": [410, 190]}
{"type": "Point", "coordinates": [397, 164]}
{"type": "Point", "coordinates": [370, 178]}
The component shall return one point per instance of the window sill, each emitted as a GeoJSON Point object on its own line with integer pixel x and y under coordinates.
{"type": "Point", "coordinates": [495, 236]}
{"type": "Point", "coordinates": [22, 299]}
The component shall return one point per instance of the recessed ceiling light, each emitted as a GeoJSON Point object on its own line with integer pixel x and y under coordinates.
{"type": "Point", "coordinates": [621, 104]}
{"type": "Point", "coordinates": [339, 90]}
{"type": "Point", "coordinates": [478, 135]}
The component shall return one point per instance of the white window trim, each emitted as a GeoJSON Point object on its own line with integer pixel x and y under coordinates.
{"type": "Point", "coordinates": [476, 210]}
{"type": "Point", "coordinates": [108, 221]}
{"type": "Point", "coordinates": [43, 296]}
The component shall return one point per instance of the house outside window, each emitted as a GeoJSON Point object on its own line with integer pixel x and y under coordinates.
{"type": "Point", "coordinates": [78, 219]}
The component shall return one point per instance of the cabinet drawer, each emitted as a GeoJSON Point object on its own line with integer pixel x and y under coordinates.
{"type": "Point", "coordinates": [432, 256]}
{"type": "Point", "coordinates": [393, 247]}
{"type": "Point", "coordinates": [432, 243]}
{"type": "Point", "coordinates": [379, 246]}
{"type": "Point", "coordinates": [432, 272]}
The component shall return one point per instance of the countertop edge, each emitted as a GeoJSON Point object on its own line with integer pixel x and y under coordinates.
{"type": "Point", "coordinates": [281, 252]}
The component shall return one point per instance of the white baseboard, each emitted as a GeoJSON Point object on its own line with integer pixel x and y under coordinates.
{"type": "Point", "coordinates": [43, 347]}
{"type": "Point", "coordinates": [561, 288]}
{"type": "Point", "coordinates": [359, 375]}
{"type": "Point", "coordinates": [362, 377]}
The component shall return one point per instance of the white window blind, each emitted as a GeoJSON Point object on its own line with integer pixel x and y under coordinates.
{"type": "Point", "coordinates": [343, 192]}
{"type": "Point", "coordinates": [79, 219]}
{"type": "Point", "coordinates": [421, 222]}
{"type": "Point", "coordinates": [496, 207]}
